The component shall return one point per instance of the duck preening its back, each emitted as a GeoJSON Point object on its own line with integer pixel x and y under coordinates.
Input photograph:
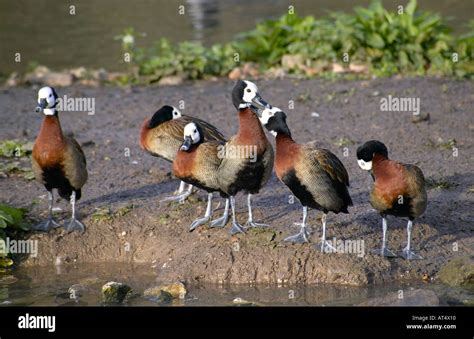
{"type": "Point", "coordinates": [162, 134]}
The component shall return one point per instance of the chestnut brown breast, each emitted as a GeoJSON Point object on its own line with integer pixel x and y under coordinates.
{"type": "Point", "coordinates": [49, 147]}
{"type": "Point", "coordinates": [390, 183]}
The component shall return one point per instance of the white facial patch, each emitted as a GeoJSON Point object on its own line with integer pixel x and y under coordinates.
{"type": "Point", "coordinates": [250, 91]}
{"type": "Point", "coordinates": [49, 111]}
{"type": "Point", "coordinates": [267, 113]}
{"type": "Point", "coordinates": [366, 166]}
{"type": "Point", "coordinates": [176, 113]}
{"type": "Point", "coordinates": [190, 130]}
{"type": "Point", "coordinates": [48, 94]}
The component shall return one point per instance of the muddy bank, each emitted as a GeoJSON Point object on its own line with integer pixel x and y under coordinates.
{"type": "Point", "coordinates": [126, 222]}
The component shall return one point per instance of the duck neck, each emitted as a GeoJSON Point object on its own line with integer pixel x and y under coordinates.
{"type": "Point", "coordinates": [250, 129]}
{"type": "Point", "coordinates": [379, 163]}
{"type": "Point", "coordinates": [284, 140]}
{"type": "Point", "coordinates": [51, 131]}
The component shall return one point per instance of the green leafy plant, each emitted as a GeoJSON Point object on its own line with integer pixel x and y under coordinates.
{"type": "Point", "coordinates": [11, 220]}
{"type": "Point", "coordinates": [15, 149]}
{"type": "Point", "coordinates": [13, 155]}
{"type": "Point", "coordinates": [409, 42]}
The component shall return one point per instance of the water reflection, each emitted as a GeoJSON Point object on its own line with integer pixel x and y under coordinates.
{"type": "Point", "coordinates": [81, 285]}
{"type": "Point", "coordinates": [204, 15]}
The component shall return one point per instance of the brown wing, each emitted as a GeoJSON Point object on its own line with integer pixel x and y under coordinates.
{"type": "Point", "coordinates": [74, 164]}
{"type": "Point", "coordinates": [165, 139]}
{"type": "Point", "coordinates": [416, 190]}
{"type": "Point", "coordinates": [210, 131]}
{"type": "Point", "coordinates": [208, 162]}
{"type": "Point", "coordinates": [331, 164]}
{"type": "Point", "coordinates": [325, 177]}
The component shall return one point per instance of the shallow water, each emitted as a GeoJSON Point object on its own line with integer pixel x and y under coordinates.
{"type": "Point", "coordinates": [43, 31]}
{"type": "Point", "coordinates": [49, 286]}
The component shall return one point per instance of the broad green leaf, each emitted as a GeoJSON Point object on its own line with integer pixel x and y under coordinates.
{"type": "Point", "coordinates": [375, 40]}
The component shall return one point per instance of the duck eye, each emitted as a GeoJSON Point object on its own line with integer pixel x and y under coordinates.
{"type": "Point", "coordinates": [249, 90]}
{"type": "Point", "coordinates": [195, 131]}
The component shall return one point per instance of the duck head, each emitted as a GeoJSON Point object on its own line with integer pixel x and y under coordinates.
{"type": "Point", "coordinates": [192, 135]}
{"type": "Point", "coordinates": [367, 151]}
{"type": "Point", "coordinates": [245, 95]}
{"type": "Point", "coordinates": [274, 120]}
{"type": "Point", "coordinates": [47, 100]}
{"type": "Point", "coordinates": [165, 113]}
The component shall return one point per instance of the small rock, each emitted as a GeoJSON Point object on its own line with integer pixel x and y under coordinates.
{"type": "Point", "coordinates": [172, 80]}
{"type": "Point", "coordinates": [13, 80]}
{"type": "Point", "coordinates": [242, 302]}
{"type": "Point", "coordinates": [292, 61]}
{"type": "Point", "coordinates": [158, 295]}
{"type": "Point", "coordinates": [56, 79]}
{"type": "Point", "coordinates": [311, 71]}
{"type": "Point", "coordinates": [417, 297]}
{"type": "Point", "coordinates": [176, 289]}
{"type": "Point", "coordinates": [79, 72]}
{"type": "Point", "coordinates": [315, 114]}
{"type": "Point", "coordinates": [458, 272]}
{"type": "Point", "coordinates": [90, 82]}
{"type": "Point", "coordinates": [235, 74]}
{"type": "Point", "coordinates": [100, 74]}
{"type": "Point", "coordinates": [37, 76]}
{"type": "Point", "coordinates": [337, 68]}
{"type": "Point", "coordinates": [114, 76]}
{"type": "Point", "coordinates": [420, 117]}
{"type": "Point", "coordinates": [8, 279]}
{"type": "Point", "coordinates": [250, 69]}
{"type": "Point", "coordinates": [275, 72]}
{"type": "Point", "coordinates": [358, 68]}
{"type": "Point", "coordinates": [116, 293]}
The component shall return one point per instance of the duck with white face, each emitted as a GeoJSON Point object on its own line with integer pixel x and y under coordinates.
{"type": "Point", "coordinates": [58, 161]}
{"type": "Point", "coordinates": [197, 163]}
{"type": "Point", "coordinates": [47, 100]}
{"type": "Point", "coordinates": [245, 173]}
{"type": "Point", "coordinates": [314, 175]}
{"type": "Point", "coordinates": [399, 190]}
{"type": "Point", "coordinates": [246, 95]}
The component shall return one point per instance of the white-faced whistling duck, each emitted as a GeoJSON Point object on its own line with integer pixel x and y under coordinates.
{"type": "Point", "coordinates": [314, 175]}
{"type": "Point", "coordinates": [197, 163]}
{"type": "Point", "coordinates": [58, 161]}
{"type": "Point", "coordinates": [399, 190]}
{"type": "Point", "coordinates": [162, 135]}
{"type": "Point", "coordinates": [238, 171]}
